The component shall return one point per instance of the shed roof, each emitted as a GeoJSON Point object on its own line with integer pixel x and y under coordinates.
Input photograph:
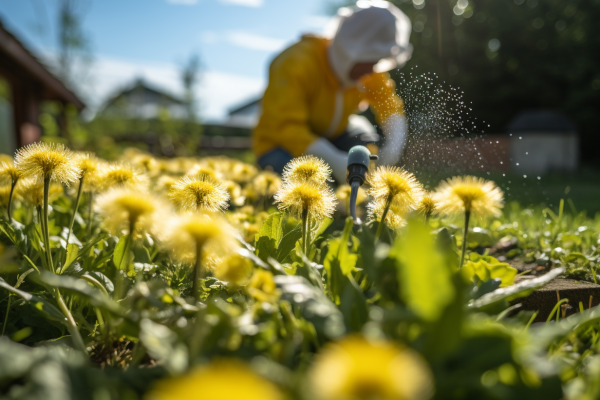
{"type": "Point", "coordinates": [16, 58]}
{"type": "Point", "coordinates": [541, 121]}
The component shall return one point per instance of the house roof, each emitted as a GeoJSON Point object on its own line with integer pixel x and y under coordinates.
{"type": "Point", "coordinates": [142, 84]}
{"type": "Point", "coordinates": [18, 59]}
{"type": "Point", "coordinates": [541, 121]}
{"type": "Point", "coordinates": [245, 106]}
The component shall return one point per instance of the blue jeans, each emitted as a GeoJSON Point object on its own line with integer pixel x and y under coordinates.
{"type": "Point", "coordinates": [355, 134]}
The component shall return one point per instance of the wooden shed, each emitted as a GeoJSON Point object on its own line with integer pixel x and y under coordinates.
{"type": "Point", "coordinates": [29, 84]}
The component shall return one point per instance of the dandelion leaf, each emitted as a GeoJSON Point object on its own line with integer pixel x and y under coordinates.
{"type": "Point", "coordinates": [425, 279]}
{"type": "Point", "coordinates": [269, 236]}
{"type": "Point", "coordinates": [490, 269]}
{"type": "Point", "coordinates": [122, 255]}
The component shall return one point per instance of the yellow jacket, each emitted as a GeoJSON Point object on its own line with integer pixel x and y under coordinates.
{"type": "Point", "coordinates": [305, 101]}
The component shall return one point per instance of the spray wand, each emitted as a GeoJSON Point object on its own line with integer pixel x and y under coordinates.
{"type": "Point", "coordinates": [358, 166]}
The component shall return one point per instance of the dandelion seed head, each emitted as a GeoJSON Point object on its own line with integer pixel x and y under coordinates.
{"type": "Point", "coordinates": [294, 198]}
{"type": "Point", "coordinates": [395, 217]}
{"type": "Point", "coordinates": [243, 172]}
{"type": "Point", "coordinates": [307, 168]}
{"type": "Point", "coordinates": [31, 191]}
{"type": "Point", "coordinates": [469, 193]}
{"type": "Point", "coordinates": [190, 231]}
{"type": "Point", "coordinates": [165, 182]}
{"type": "Point", "coordinates": [427, 206]}
{"type": "Point", "coordinates": [47, 161]}
{"type": "Point", "coordinates": [267, 183]}
{"type": "Point", "coordinates": [122, 208]}
{"type": "Point", "coordinates": [8, 172]}
{"type": "Point", "coordinates": [402, 186]}
{"type": "Point", "coordinates": [199, 170]}
{"type": "Point", "coordinates": [90, 167]}
{"type": "Point", "coordinates": [199, 194]}
{"type": "Point", "coordinates": [235, 193]}
{"type": "Point", "coordinates": [123, 175]}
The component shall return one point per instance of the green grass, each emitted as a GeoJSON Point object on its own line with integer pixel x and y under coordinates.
{"type": "Point", "coordinates": [581, 190]}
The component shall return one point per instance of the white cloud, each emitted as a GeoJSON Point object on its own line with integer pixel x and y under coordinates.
{"type": "Point", "coordinates": [209, 37]}
{"type": "Point", "coordinates": [254, 42]}
{"type": "Point", "coordinates": [185, 2]}
{"type": "Point", "coordinates": [216, 91]}
{"type": "Point", "coordinates": [246, 3]}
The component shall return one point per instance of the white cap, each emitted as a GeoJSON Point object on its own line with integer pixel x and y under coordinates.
{"type": "Point", "coordinates": [370, 31]}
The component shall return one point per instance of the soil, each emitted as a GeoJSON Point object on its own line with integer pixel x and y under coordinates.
{"type": "Point", "coordinates": [543, 300]}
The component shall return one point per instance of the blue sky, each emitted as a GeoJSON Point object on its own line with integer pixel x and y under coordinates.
{"type": "Point", "coordinates": [235, 39]}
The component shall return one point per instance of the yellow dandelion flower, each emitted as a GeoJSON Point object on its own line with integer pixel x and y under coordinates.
{"type": "Point", "coordinates": [123, 209]}
{"type": "Point", "coordinates": [307, 168]}
{"type": "Point", "coordinates": [49, 161]}
{"type": "Point", "coordinates": [267, 183]}
{"type": "Point", "coordinates": [199, 194]}
{"type": "Point", "coordinates": [428, 205]}
{"type": "Point", "coordinates": [200, 170]}
{"type": "Point", "coordinates": [165, 182]}
{"type": "Point", "coordinates": [243, 172]}
{"type": "Point", "coordinates": [395, 184]}
{"type": "Point", "coordinates": [470, 194]}
{"type": "Point", "coordinates": [5, 194]}
{"type": "Point", "coordinates": [146, 162]}
{"type": "Point", "coordinates": [214, 381]}
{"type": "Point", "coordinates": [262, 287]}
{"type": "Point", "coordinates": [357, 369]}
{"type": "Point", "coordinates": [234, 269]}
{"type": "Point", "coordinates": [5, 158]}
{"type": "Point", "coordinates": [295, 198]}
{"type": "Point", "coordinates": [9, 173]}
{"type": "Point", "coordinates": [190, 231]}
{"type": "Point", "coordinates": [123, 175]}
{"type": "Point", "coordinates": [199, 239]}
{"type": "Point", "coordinates": [90, 167]}
{"type": "Point", "coordinates": [394, 218]}
{"type": "Point", "coordinates": [31, 191]}
{"type": "Point", "coordinates": [235, 193]}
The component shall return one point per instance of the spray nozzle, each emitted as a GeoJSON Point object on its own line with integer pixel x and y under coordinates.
{"type": "Point", "coordinates": [358, 166]}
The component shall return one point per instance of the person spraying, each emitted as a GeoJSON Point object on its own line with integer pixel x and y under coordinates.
{"type": "Point", "coordinates": [317, 84]}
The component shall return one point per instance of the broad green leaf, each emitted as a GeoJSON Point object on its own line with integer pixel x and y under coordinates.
{"type": "Point", "coordinates": [269, 236]}
{"type": "Point", "coordinates": [486, 270]}
{"type": "Point", "coordinates": [122, 255]}
{"type": "Point", "coordinates": [339, 263]}
{"type": "Point", "coordinates": [272, 227]}
{"type": "Point", "coordinates": [72, 251]}
{"type": "Point", "coordinates": [43, 306]}
{"type": "Point", "coordinates": [322, 228]}
{"type": "Point", "coordinates": [96, 297]}
{"type": "Point", "coordinates": [313, 304]}
{"type": "Point", "coordinates": [163, 345]}
{"type": "Point", "coordinates": [287, 244]}
{"type": "Point", "coordinates": [425, 279]}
